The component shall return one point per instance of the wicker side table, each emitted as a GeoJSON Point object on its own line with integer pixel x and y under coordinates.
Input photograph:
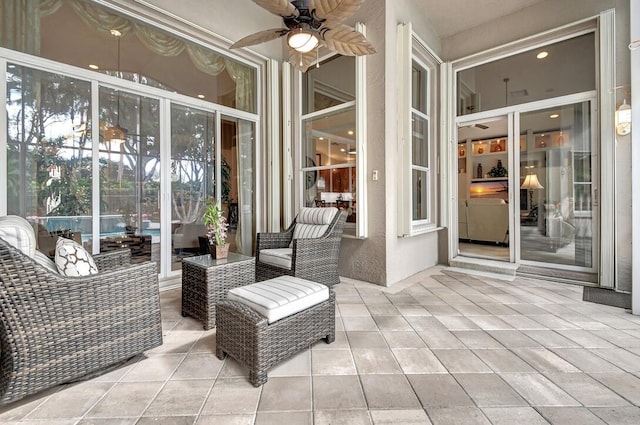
{"type": "Point", "coordinates": [206, 281]}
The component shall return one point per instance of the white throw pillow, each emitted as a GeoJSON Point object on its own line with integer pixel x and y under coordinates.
{"type": "Point", "coordinates": [45, 262]}
{"type": "Point", "coordinates": [73, 260]}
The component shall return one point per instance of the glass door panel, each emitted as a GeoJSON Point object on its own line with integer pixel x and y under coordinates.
{"type": "Point", "coordinates": [483, 189]}
{"type": "Point", "coordinates": [49, 154]}
{"type": "Point", "coordinates": [129, 164]}
{"type": "Point", "coordinates": [192, 179]}
{"type": "Point", "coordinates": [557, 208]}
{"type": "Point", "coordinates": [238, 182]}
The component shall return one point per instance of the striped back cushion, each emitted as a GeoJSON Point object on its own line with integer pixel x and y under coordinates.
{"type": "Point", "coordinates": [18, 233]}
{"type": "Point", "coordinates": [313, 222]}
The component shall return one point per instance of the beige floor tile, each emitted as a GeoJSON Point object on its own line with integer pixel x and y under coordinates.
{"type": "Point", "coordinates": [449, 392]}
{"type": "Point", "coordinates": [400, 417]}
{"type": "Point", "coordinates": [232, 396]}
{"type": "Point", "coordinates": [403, 339]}
{"type": "Point", "coordinates": [629, 415]}
{"type": "Point", "coordinates": [461, 361]}
{"type": "Point", "coordinates": [226, 420]}
{"type": "Point", "coordinates": [375, 361]}
{"type": "Point", "coordinates": [73, 402]}
{"type": "Point", "coordinates": [364, 339]}
{"type": "Point", "coordinates": [340, 417]}
{"type": "Point", "coordinates": [359, 323]}
{"type": "Point", "coordinates": [544, 360]}
{"type": "Point", "coordinates": [126, 399]}
{"type": "Point", "coordinates": [476, 339]}
{"type": "Point", "coordinates": [513, 415]}
{"type": "Point", "coordinates": [156, 367]}
{"type": "Point", "coordinates": [418, 360]}
{"type": "Point", "coordinates": [298, 365]}
{"type": "Point", "coordinates": [538, 390]}
{"type": "Point", "coordinates": [286, 393]}
{"type": "Point", "coordinates": [388, 392]}
{"type": "Point", "coordinates": [180, 398]}
{"type": "Point", "coordinates": [332, 362]}
{"type": "Point", "coordinates": [569, 416]}
{"type": "Point", "coordinates": [503, 361]}
{"type": "Point", "coordinates": [166, 420]}
{"type": "Point", "coordinates": [392, 323]}
{"type": "Point", "coordinates": [457, 416]}
{"type": "Point", "coordinates": [440, 338]}
{"type": "Point", "coordinates": [489, 390]}
{"type": "Point", "coordinates": [586, 390]}
{"type": "Point", "coordinates": [198, 366]}
{"type": "Point", "coordinates": [337, 393]}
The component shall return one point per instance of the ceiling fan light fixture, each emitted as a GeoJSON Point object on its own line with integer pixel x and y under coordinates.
{"type": "Point", "coordinates": [302, 40]}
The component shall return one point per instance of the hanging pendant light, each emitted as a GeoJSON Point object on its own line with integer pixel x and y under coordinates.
{"type": "Point", "coordinates": [116, 135]}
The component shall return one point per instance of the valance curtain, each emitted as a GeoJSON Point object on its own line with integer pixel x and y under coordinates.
{"type": "Point", "coordinates": [20, 30]}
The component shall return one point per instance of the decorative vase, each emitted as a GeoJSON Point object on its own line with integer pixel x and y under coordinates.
{"type": "Point", "coordinates": [219, 251]}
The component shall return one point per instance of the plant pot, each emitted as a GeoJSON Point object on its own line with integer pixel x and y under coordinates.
{"type": "Point", "coordinates": [219, 251]}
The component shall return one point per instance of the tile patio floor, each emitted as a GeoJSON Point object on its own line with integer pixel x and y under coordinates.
{"type": "Point", "coordinates": [439, 348]}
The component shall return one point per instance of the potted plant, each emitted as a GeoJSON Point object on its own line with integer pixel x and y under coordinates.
{"type": "Point", "coordinates": [214, 219]}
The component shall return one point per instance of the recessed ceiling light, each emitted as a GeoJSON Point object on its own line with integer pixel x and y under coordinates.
{"type": "Point", "coordinates": [554, 116]}
{"type": "Point", "coordinates": [200, 96]}
{"type": "Point", "coordinates": [542, 55]}
{"type": "Point", "coordinates": [343, 150]}
{"type": "Point", "coordinates": [350, 132]}
{"type": "Point", "coordinates": [321, 138]}
{"type": "Point", "coordinates": [92, 66]}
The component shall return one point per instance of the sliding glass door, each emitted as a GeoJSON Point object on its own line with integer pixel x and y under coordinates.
{"type": "Point", "coordinates": [558, 194]}
{"type": "Point", "coordinates": [483, 165]}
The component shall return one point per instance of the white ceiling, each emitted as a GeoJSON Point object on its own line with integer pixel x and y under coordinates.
{"type": "Point", "coordinates": [449, 17]}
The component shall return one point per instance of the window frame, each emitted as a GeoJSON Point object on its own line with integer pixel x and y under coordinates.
{"type": "Point", "coordinates": [360, 228]}
{"type": "Point", "coordinates": [413, 51]}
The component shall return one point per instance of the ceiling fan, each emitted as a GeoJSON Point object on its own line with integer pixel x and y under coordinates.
{"type": "Point", "coordinates": [309, 25]}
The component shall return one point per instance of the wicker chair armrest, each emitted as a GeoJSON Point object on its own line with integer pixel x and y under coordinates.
{"type": "Point", "coordinates": [273, 240]}
{"type": "Point", "coordinates": [112, 259]}
{"type": "Point", "coordinates": [311, 257]}
{"type": "Point", "coordinates": [242, 312]}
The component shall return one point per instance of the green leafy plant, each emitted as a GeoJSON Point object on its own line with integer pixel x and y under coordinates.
{"type": "Point", "coordinates": [215, 220]}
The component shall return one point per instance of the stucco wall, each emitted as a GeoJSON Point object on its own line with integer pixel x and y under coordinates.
{"type": "Point", "coordinates": [366, 259]}
{"type": "Point", "coordinates": [552, 14]}
{"type": "Point", "coordinates": [405, 256]}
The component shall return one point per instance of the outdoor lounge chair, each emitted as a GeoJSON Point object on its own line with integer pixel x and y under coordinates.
{"type": "Point", "coordinates": [308, 249]}
{"type": "Point", "coordinates": [56, 329]}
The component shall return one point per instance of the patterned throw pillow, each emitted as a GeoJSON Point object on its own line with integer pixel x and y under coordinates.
{"type": "Point", "coordinates": [73, 260]}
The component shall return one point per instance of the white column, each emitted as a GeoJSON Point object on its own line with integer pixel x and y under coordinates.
{"type": "Point", "coordinates": [635, 155]}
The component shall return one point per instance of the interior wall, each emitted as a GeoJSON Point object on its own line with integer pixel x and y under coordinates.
{"type": "Point", "coordinates": [552, 14]}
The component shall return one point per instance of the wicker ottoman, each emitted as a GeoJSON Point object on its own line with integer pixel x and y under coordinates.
{"type": "Point", "coordinates": [264, 323]}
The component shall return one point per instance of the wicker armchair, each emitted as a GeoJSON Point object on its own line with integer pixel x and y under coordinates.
{"type": "Point", "coordinates": [55, 329]}
{"type": "Point", "coordinates": [314, 259]}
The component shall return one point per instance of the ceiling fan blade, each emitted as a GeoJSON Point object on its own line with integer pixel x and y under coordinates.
{"type": "Point", "coordinates": [283, 8]}
{"type": "Point", "coordinates": [260, 37]}
{"type": "Point", "coordinates": [334, 9]}
{"type": "Point", "coordinates": [302, 61]}
{"type": "Point", "coordinates": [346, 41]}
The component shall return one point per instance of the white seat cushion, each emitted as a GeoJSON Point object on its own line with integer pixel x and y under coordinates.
{"type": "Point", "coordinates": [18, 233]}
{"type": "Point", "coordinates": [279, 257]}
{"type": "Point", "coordinates": [280, 297]}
